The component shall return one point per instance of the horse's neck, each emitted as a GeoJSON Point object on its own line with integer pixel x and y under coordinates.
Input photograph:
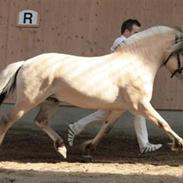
{"type": "Point", "coordinates": [151, 64]}
{"type": "Point", "coordinates": [151, 55]}
{"type": "Point", "coordinates": [139, 61]}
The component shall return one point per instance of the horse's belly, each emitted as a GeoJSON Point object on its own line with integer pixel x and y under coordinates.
{"type": "Point", "coordinates": [107, 99]}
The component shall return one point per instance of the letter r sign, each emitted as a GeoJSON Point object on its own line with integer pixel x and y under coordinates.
{"type": "Point", "coordinates": [28, 18]}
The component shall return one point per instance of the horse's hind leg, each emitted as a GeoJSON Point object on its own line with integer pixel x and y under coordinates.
{"type": "Point", "coordinates": [150, 113]}
{"type": "Point", "coordinates": [7, 120]}
{"type": "Point", "coordinates": [46, 110]}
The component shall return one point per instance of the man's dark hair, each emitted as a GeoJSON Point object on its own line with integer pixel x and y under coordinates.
{"type": "Point", "coordinates": [128, 24]}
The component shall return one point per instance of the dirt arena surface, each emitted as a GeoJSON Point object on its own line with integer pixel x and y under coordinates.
{"type": "Point", "coordinates": [29, 157]}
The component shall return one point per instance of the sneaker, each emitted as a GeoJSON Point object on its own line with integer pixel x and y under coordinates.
{"type": "Point", "coordinates": [71, 134]}
{"type": "Point", "coordinates": [150, 148]}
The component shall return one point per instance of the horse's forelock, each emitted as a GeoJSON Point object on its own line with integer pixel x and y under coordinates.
{"type": "Point", "coordinates": [177, 47]}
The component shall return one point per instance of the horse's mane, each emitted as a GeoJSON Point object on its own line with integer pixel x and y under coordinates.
{"type": "Point", "coordinates": [147, 33]}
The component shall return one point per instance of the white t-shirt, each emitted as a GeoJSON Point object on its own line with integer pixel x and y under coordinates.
{"type": "Point", "coordinates": [117, 42]}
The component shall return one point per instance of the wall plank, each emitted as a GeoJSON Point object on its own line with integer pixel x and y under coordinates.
{"type": "Point", "coordinates": [88, 28]}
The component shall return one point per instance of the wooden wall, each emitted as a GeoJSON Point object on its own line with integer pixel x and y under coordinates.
{"type": "Point", "coordinates": [88, 28]}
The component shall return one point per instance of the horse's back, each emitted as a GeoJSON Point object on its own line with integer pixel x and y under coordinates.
{"type": "Point", "coordinates": [82, 81]}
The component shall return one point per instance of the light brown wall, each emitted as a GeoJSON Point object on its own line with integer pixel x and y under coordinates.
{"type": "Point", "coordinates": [88, 28]}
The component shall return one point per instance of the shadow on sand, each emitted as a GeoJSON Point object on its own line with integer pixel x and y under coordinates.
{"type": "Point", "coordinates": [35, 146]}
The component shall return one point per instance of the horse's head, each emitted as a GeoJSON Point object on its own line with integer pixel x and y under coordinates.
{"type": "Point", "coordinates": [157, 46]}
{"type": "Point", "coordinates": [174, 59]}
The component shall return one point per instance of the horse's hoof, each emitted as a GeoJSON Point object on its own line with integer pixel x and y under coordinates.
{"type": "Point", "coordinates": [177, 145]}
{"type": "Point", "coordinates": [87, 158]}
{"type": "Point", "coordinates": [174, 148]}
{"type": "Point", "coordinates": [80, 159]}
{"type": "Point", "coordinates": [63, 151]}
{"type": "Point", "coordinates": [181, 145]}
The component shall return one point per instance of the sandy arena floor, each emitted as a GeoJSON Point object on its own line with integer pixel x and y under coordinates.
{"type": "Point", "coordinates": [29, 157]}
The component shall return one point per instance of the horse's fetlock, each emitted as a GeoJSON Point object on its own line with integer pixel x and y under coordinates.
{"type": "Point", "coordinates": [58, 143]}
{"type": "Point", "coordinates": [91, 147]}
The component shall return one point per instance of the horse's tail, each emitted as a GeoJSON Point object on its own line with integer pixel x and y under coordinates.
{"type": "Point", "coordinates": [8, 79]}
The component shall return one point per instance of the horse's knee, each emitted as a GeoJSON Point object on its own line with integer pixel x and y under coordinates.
{"type": "Point", "coordinates": [41, 121]}
{"type": "Point", "coordinates": [41, 118]}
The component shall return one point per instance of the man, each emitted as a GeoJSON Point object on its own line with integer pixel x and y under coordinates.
{"type": "Point", "coordinates": [128, 28]}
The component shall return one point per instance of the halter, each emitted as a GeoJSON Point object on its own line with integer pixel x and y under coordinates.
{"type": "Point", "coordinates": [177, 53]}
{"type": "Point", "coordinates": [179, 69]}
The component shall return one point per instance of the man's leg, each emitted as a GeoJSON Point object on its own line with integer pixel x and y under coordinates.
{"type": "Point", "coordinates": [77, 127]}
{"type": "Point", "coordinates": [142, 135]}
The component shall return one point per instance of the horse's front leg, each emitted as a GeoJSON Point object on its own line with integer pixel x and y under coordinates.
{"type": "Point", "coordinates": [108, 124]}
{"type": "Point", "coordinates": [46, 111]}
{"type": "Point", "coordinates": [150, 113]}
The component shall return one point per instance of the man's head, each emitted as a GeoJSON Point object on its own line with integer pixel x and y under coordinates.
{"type": "Point", "coordinates": [129, 27]}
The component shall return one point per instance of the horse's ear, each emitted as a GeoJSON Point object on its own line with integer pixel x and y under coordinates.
{"type": "Point", "coordinates": [177, 46]}
{"type": "Point", "coordinates": [177, 28]}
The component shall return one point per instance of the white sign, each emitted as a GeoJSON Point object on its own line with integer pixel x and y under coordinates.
{"type": "Point", "coordinates": [28, 18]}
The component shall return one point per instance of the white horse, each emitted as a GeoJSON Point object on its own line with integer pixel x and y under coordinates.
{"type": "Point", "coordinates": [119, 81]}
